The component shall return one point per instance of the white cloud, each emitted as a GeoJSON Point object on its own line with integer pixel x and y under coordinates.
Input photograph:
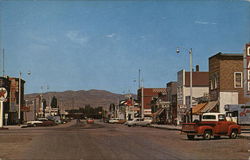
{"type": "Point", "coordinates": [204, 22]}
{"type": "Point", "coordinates": [76, 37]}
{"type": "Point", "coordinates": [110, 35]}
{"type": "Point", "coordinates": [247, 0]}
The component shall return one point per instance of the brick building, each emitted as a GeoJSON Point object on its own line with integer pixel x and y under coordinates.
{"type": "Point", "coordinates": [14, 100]}
{"type": "Point", "coordinates": [11, 106]}
{"type": "Point", "coordinates": [199, 88]}
{"type": "Point", "coordinates": [148, 95]}
{"type": "Point", "coordinates": [226, 80]}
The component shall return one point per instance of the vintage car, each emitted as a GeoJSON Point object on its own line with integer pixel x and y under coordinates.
{"type": "Point", "coordinates": [211, 124]}
{"type": "Point", "coordinates": [90, 121]}
{"type": "Point", "coordinates": [138, 122]}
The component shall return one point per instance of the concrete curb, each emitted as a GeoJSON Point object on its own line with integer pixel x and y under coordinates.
{"type": "Point", "coordinates": [167, 128]}
{"type": "Point", "coordinates": [244, 136]}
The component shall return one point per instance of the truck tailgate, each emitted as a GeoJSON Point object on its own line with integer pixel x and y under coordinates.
{"type": "Point", "coordinates": [188, 127]}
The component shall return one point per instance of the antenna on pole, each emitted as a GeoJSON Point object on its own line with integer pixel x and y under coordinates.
{"type": "Point", "coordinates": [139, 81]}
{"type": "Point", "coordinates": [3, 63]}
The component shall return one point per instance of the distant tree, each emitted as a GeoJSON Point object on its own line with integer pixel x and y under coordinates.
{"type": "Point", "coordinates": [53, 102]}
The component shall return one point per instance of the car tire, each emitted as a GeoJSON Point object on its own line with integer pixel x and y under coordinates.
{"type": "Point", "coordinates": [234, 134]}
{"type": "Point", "coordinates": [207, 135]}
{"type": "Point", "coordinates": [190, 137]}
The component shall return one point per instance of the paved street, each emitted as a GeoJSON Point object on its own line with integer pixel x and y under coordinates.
{"type": "Point", "coordinates": [107, 141]}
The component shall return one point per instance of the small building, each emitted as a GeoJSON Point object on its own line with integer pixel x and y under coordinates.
{"type": "Point", "coordinates": [147, 95]}
{"type": "Point", "coordinates": [200, 86]}
{"type": "Point", "coordinates": [226, 80]}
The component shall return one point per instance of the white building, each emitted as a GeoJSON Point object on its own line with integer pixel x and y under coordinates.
{"type": "Point", "coordinates": [200, 86]}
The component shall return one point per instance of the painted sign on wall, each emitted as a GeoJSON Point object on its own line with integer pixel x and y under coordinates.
{"type": "Point", "coordinates": [247, 71]}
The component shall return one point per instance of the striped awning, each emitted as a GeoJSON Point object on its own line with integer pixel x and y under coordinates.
{"type": "Point", "coordinates": [157, 113]}
{"type": "Point", "coordinates": [197, 109]}
{"type": "Point", "coordinates": [209, 106]}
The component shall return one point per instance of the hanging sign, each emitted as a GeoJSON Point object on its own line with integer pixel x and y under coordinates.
{"type": "Point", "coordinates": [3, 94]}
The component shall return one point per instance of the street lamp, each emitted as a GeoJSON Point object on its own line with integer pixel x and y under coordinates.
{"type": "Point", "coordinates": [19, 98]}
{"type": "Point", "coordinates": [142, 99]}
{"type": "Point", "coordinates": [191, 78]}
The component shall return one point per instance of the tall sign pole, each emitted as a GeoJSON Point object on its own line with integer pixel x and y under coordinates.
{"type": "Point", "coordinates": [3, 96]}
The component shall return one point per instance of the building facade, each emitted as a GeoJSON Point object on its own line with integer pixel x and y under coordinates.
{"type": "Point", "coordinates": [172, 99]}
{"type": "Point", "coordinates": [146, 95]}
{"type": "Point", "coordinates": [226, 80]}
{"type": "Point", "coordinates": [11, 106]}
{"type": "Point", "coordinates": [200, 86]}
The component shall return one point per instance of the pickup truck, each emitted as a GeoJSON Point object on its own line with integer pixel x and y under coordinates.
{"type": "Point", "coordinates": [211, 124]}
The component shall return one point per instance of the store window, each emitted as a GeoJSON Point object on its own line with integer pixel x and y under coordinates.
{"type": "Point", "coordinates": [238, 80]}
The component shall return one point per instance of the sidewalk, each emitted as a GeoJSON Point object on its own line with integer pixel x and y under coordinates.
{"type": "Point", "coordinates": [245, 132]}
{"type": "Point", "coordinates": [10, 127]}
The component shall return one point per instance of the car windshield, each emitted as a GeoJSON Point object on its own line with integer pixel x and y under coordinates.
{"type": "Point", "coordinates": [210, 117]}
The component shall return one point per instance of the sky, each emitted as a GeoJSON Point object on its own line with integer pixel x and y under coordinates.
{"type": "Point", "coordinates": [102, 44]}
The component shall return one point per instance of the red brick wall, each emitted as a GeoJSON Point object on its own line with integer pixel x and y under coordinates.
{"type": "Point", "coordinates": [224, 67]}
{"type": "Point", "coordinates": [148, 94]}
{"type": "Point", "coordinates": [214, 68]}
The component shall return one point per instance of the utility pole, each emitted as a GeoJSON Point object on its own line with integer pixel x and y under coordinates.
{"type": "Point", "coordinates": [142, 101]}
{"type": "Point", "coordinates": [19, 98]}
{"type": "Point", "coordinates": [191, 80]}
{"type": "Point", "coordinates": [3, 63]}
{"type": "Point", "coordinates": [139, 81]}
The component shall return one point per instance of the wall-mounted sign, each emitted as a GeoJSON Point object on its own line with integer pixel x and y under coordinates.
{"type": "Point", "coordinates": [247, 71]}
{"type": "Point", "coordinates": [3, 94]}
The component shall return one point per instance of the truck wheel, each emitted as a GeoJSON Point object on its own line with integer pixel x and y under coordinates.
{"type": "Point", "coordinates": [234, 134]}
{"type": "Point", "coordinates": [207, 135]}
{"type": "Point", "coordinates": [190, 137]}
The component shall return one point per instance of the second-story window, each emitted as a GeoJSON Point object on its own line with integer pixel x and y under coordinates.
{"type": "Point", "coordinates": [238, 80]}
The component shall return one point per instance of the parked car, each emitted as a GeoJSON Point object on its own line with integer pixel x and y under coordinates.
{"type": "Point", "coordinates": [90, 121]}
{"type": "Point", "coordinates": [212, 124]}
{"type": "Point", "coordinates": [34, 123]}
{"type": "Point", "coordinates": [114, 120]}
{"type": "Point", "coordinates": [46, 122]}
{"type": "Point", "coordinates": [138, 122]}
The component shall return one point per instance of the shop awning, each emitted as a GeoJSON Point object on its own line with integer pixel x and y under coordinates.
{"type": "Point", "coordinates": [197, 109]}
{"type": "Point", "coordinates": [157, 113]}
{"type": "Point", "coordinates": [209, 106]}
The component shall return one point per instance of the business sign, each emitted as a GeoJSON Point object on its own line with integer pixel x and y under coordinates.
{"type": "Point", "coordinates": [247, 71]}
{"type": "Point", "coordinates": [3, 94]}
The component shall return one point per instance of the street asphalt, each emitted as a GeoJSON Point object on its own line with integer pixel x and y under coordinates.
{"type": "Point", "coordinates": [99, 141]}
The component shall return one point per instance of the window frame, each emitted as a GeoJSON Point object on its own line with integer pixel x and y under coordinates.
{"type": "Point", "coordinates": [241, 78]}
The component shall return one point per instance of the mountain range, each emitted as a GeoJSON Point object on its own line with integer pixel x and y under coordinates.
{"type": "Point", "coordinates": [76, 99]}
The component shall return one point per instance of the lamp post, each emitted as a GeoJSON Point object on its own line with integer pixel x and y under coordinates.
{"type": "Point", "coordinates": [19, 97]}
{"type": "Point", "coordinates": [142, 100]}
{"type": "Point", "coordinates": [191, 79]}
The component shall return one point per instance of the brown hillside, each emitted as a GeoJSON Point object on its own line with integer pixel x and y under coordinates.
{"type": "Point", "coordinates": [76, 99]}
